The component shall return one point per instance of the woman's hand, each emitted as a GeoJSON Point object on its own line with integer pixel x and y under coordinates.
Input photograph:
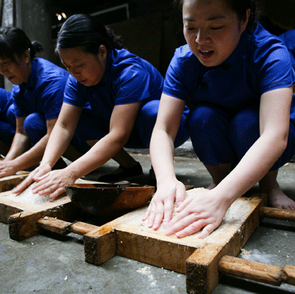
{"type": "Point", "coordinates": [204, 210]}
{"type": "Point", "coordinates": [7, 168]}
{"type": "Point", "coordinates": [162, 203]}
{"type": "Point", "coordinates": [35, 174]}
{"type": "Point", "coordinates": [53, 183]}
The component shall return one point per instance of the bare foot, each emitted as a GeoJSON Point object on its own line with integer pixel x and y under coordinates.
{"type": "Point", "coordinates": [276, 198]}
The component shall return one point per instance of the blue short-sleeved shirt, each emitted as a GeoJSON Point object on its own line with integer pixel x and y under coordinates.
{"type": "Point", "coordinates": [289, 40]}
{"type": "Point", "coordinates": [43, 92]}
{"type": "Point", "coordinates": [5, 101]}
{"type": "Point", "coordinates": [260, 63]}
{"type": "Point", "coordinates": [127, 79]}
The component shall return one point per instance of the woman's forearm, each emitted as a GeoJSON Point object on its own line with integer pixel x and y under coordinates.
{"type": "Point", "coordinates": [162, 155]}
{"type": "Point", "coordinates": [58, 142]}
{"type": "Point", "coordinates": [252, 167]}
{"type": "Point", "coordinates": [21, 143]}
{"type": "Point", "coordinates": [105, 149]}
{"type": "Point", "coordinates": [33, 155]}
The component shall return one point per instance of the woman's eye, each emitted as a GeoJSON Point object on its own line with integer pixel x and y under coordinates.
{"type": "Point", "coordinates": [216, 28]}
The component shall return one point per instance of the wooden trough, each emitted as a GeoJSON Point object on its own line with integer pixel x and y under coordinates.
{"type": "Point", "coordinates": [203, 261]}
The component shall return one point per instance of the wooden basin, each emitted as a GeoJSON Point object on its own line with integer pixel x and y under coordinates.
{"type": "Point", "coordinates": [109, 200]}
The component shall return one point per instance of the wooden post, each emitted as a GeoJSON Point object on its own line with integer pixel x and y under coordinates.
{"type": "Point", "coordinates": [202, 271]}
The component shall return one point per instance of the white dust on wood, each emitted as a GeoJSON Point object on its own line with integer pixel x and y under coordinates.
{"type": "Point", "coordinates": [28, 197]}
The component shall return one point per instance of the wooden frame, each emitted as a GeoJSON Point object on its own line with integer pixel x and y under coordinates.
{"type": "Point", "coordinates": [203, 261]}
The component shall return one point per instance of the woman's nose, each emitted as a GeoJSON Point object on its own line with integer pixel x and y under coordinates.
{"type": "Point", "coordinates": [202, 37]}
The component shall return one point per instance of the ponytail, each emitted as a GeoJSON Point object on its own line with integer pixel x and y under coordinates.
{"type": "Point", "coordinates": [14, 42]}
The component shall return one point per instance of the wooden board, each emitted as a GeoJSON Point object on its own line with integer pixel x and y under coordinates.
{"type": "Point", "coordinates": [8, 208]}
{"type": "Point", "coordinates": [127, 236]}
{"type": "Point", "coordinates": [22, 217]}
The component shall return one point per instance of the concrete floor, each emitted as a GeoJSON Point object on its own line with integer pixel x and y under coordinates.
{"type": "Point", "coordinates": [49, 263]}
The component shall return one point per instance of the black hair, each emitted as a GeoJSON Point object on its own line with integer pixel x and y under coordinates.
{"type": "Point", "coordinates": [15, 42]}
{"type": "Point", "coordinates": [238, 6]}
{"type": "Point", "coordinates": [82, 30]}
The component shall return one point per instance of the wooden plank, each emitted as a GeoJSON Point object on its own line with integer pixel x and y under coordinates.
{"type": "Point", "coordinates": [11, 205]}
{"type": "Point", "coordinates": [97, 248]}
{"type": "Point", "coordinates": [81, 228]}
{"type": "Point", "coordinates": [202, 273]}
{"type": "Point", "coordinates": [24, 224]}
{"type": "Point", "coordinates": [276, 213]}
{"type": "Point", "coordinates": [100, 247]}
{"type": "Point", "coordinates": [8, 208]}
{"type": "Point", "coordinates": [255, 271]}
{"type": "Point", "coordinates": [289, 274]}
{"type": "Point", "coordinates": [54, 225]}
{"type": "Point", "coordinates": [153, 248]}
{"type": "Point", "coordinates": [10, 182]}
{"type": "Point", "coordinates": [198, 258]}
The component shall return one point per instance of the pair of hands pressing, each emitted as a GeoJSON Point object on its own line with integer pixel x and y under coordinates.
{"type": "Point", "coordinates": [48, 181]}
{"type": "Point", "coordinates": [202, 212]}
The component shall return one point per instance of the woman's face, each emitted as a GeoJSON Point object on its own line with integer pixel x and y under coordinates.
{"type": "Point", "coordinates": [88, 69]}
{"type": "Point", "coordinates": [16, 72]}
{"type": "Point", "coordinates": [211, 29]}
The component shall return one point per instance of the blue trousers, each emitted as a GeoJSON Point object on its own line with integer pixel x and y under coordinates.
{"type": "Point", "coordinates": [89, 129]}
{"type": "Point", "coordinates": [7, 126]}
{"type": "Point", "coordinates": [141, 133]}
{"type": "Point", "coordinates": [222, 138]}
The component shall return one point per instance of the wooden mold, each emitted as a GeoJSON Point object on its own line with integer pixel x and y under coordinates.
{"type": "Point", "coordinates": [203, 261]}
{"type": "Point", "coordinates": [22, 216]}
{"type": "Point", "coordinates": [127, 236]}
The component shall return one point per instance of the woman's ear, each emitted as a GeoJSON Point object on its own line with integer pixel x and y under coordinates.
{"type": "Point", "coordinates": [103, 51]}
{"type": "Point", "coordinates": [245, 22]}
{"type": "Point", "coordinates": [27, 56]}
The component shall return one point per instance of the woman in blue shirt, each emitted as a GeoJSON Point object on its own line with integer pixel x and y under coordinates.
{"type": "Point", "coordinates": [240, 79]}
{"type": "Point", "coordinates": [6, 131]}
{"type": "Point", "coordinates": [123, 93]}
{"type": "Point", "coordinates": [37, 93]}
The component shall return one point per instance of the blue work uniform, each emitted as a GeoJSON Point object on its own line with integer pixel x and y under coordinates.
{"type": "Point", "coordinates": [289, 40]}
{"type": "Point", "coordinates": [6, 132]}
{"type": "Point", "coordinates": [39, 99]}
{"type": "Point", "coordinates": [224, 119]}
{"type": "Point", "coordinates": [127, 79]}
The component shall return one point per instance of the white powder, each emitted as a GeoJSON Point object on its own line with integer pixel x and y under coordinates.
{"type": "Point", "coordinates": [27, 196]}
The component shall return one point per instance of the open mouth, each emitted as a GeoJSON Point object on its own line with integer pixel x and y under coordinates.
{"type": "Point", "coordinates": [205, 53]}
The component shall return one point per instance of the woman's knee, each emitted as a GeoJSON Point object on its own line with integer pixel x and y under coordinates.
{"type": "Point", "coordinates": [35, 126]}
{"type": "Point", "coordinates": [207, 120]}
{"type": "Point", "coordinates": [244, 127]}
{"type": "Point", "coordinates": [11, 117]}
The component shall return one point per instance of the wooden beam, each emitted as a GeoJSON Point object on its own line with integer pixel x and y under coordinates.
{"type": "Point", "coordinates": [202, 270]}
{"type": "Point", "coordinates": [54, 225]}
{"type": "Point", "coordinates": [276, 213]}
{"type": "Point", "coordinates": [81, 228]}
{"type": "Point", "coordinates": [10, 182]}
{"type": "Point", "coordinates": [289, 274]}
{"type": "Point", "coordinates": [247, 269]}
{"type": "Point", "coordinates": [24, 224]}
{"type": "Point", "coordinates": [100, 245]}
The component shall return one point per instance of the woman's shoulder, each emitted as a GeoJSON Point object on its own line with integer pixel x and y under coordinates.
{"type": "Point", "coordinates": [45, 68]}
{"type": "Point", "coordinates": [184, 60]}
{"type": "Point", "coordinates": [263, 44]}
